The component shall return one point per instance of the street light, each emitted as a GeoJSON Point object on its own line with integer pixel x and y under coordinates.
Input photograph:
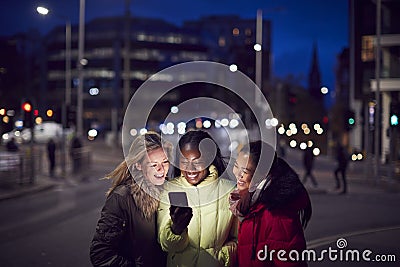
{"type": "Point", "coordinates": [45, 11]}
{"type": "Point", "coordinates": [42, 10]}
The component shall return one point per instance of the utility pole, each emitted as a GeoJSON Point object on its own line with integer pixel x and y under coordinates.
{"type": "Point", "coordinates": [377, 92]}
{"type": "Point", "coordinates": [80, 63]}
{"type": "Point", "coordinates": [259, 51]}
{"type": "Point", "coordinates": [127, 49]}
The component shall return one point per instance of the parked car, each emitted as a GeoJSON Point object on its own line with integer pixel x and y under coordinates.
{"type": "Point", "coordinates": [42, 133]}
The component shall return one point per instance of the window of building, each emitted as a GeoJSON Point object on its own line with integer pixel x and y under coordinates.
{"type": "Point", "coordinates": [235, 31]}
{"type": "Point", "coordinates": [367, 48]}
{"type": "Point", "coordinates": [221, 41]}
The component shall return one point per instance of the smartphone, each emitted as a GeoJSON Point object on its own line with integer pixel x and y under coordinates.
{"type": "Point", "coordinates": [178, 199]}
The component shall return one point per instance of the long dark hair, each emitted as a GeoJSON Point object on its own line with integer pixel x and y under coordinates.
{"type": "Point", "coordinates": [285, 183]}
{"type": "Point", "coordinates": [194, 138]}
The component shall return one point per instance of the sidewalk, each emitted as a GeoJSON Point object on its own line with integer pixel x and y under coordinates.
{"type": "Point", "coordinates": [101, 155]}
{"type": "Point", "coordinates": [13, 190]}
{"type": "Point", "coordinates": [360, 175]}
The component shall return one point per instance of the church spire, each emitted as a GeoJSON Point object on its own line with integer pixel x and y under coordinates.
{"type": "Point", "coordinates": [314, 76]}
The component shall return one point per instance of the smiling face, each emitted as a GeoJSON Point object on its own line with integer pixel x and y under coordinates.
{"type": "Point", "coordinates": [192, 165]}
{"type": "Point", "coordinates": [243, 170]}
{"type": "Point", "coordinates": [154, 166]}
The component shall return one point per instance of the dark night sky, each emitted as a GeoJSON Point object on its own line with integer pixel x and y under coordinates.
{"type": "Point", "coordinates": [296, 25]}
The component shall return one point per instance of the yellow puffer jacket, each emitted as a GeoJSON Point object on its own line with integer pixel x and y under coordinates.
{"type": "Point", "coordinates": [211, 237]}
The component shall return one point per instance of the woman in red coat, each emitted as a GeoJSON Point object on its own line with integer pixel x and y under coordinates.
{"type": "Point", "coordinates": [273, 207]}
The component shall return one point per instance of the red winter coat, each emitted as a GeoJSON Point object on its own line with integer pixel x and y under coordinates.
{"type": "Point", "coordinates": [273, 223]}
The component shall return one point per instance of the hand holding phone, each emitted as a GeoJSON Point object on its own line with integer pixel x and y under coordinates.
{"type": "Point", "coordinates": [180, 212]}
{"type": "Point", "coordinates": [180, 217]}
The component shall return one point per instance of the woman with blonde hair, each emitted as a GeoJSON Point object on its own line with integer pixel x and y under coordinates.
{"type": "Point", "coordinates": [126, 232]}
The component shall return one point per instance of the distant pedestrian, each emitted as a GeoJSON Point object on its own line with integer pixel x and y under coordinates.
{"type": "Point", "coordinates": [308, 163]}
{"type": "Point", "coordinates": [51, 153]}
{"type": "Point", "coordinates": [342, 160]}
{"type": "Point", "coordinates": [12, 145]}
{"type": "Point", "coordinates": [76, 154]}
{"type": "Point", "coordinates": [282, 149]}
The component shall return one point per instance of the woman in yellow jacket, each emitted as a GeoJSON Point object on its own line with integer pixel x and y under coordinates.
{"type": "Point", "coordinates": [205, 232]}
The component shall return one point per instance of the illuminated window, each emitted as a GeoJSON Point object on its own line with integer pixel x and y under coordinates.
{"type": "Point", "coordinates": [141, 37]}
{"type": "Point", "coordinates": [235, 31]}
{"type": "Point", "coordinates": [367, 49]}
{"type": "Point", "coordinates": [221, 41]}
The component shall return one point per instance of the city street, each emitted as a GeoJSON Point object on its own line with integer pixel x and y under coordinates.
{"type": "Point", "coordinates": [55, 227]}
{"type": "Point", "coordinates": [318, 79]}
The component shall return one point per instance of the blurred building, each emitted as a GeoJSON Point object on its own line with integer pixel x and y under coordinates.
{"type": "Point", "coordinates": [300, 110]}
{"type": "Point", "coordinates": [231, 41]}
{"type": "Point", "coordinates": [338, 114]}
{"type": "Point", "coordinates": [364, 82]}
{"type": "Point", "coordinates": [154, 44]}
{"type": "Point", "coordinates": [314, 76]}
{"type": "Point", "coordinates": [20, 74]}
{"type": "Point", "coordinates": [342, 80]}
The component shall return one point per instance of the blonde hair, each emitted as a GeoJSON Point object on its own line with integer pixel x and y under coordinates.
{"type": "Point", "coordinates": [140, 147]}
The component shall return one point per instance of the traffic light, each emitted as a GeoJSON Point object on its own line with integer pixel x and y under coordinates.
{"type": "Point", "coordinates": [292, 98]}
{"type": "Point", "coordinates": [394, 120]}
{"type": "Point", "coordinates": [394, 114]}
{"type": "Point", "coordinates": [28, 113]}
{"type": "Point", "coordinates": [325, 119]}
{"type": "Point", "coordinates": [350, 119]}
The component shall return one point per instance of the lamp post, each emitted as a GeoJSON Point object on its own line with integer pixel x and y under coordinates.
{"type": "Point", "coordinates": [258, 67]}
{"type": "Point", "coordinates": [377, 92]}
{"type": "Point", "coordinates": [258, 49]}
{"type": "Point", "coordinates": [44, 11]}
{"type": "Point", "coordinates": [81, 62]}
